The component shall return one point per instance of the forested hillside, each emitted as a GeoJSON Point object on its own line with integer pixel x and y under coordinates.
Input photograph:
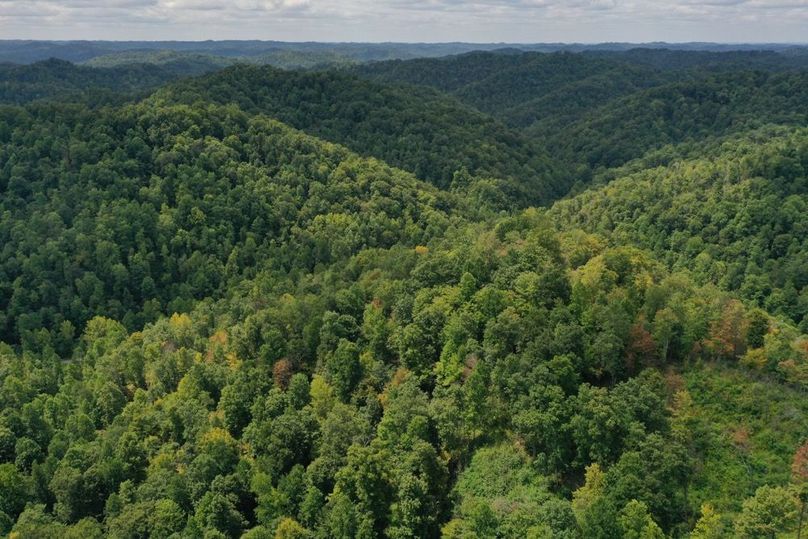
{"type": "Point", "coordinates": [304, 304]}
{"type": "Point", "coordinates": [603, 109]}
{"type": "Point", "coordinates": [186, 64]}
{"type": "Point", "coordinates": [197, 63]}
{"type": "Point", "coordinates": [519, 87]}
{"type": "Point", "coordinates": [629, 127]}
{"type": "Point", "coordinates": [429, 134]}
{"type": "Point", "coordinates": [735, 215]}
{"type": "Point", "coordinates": [130, 212]}
{"type": "Point", "coordinates": [63, 81]}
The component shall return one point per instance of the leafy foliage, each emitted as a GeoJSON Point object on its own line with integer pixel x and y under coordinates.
{"type": "Point", "coordinates": [733, 215]}
{"type": "Point", "coordinates": [220, 326]}
{"type": "Point", "coordinates": [419, 130]}
{"type": "Point", "coordinates": [60, 80]}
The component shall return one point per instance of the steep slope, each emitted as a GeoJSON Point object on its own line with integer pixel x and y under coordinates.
{"type": "Point", "coordinates": [504, 82]}
{"type": "Point", "coordinates": [507, 81]}
{"type": "Point", "coordinates": [691, 110]}
{"type": "Point", "coordinates": [733, 212]}
{"type": "Point", "coordinates": [419, 130]}
{"type": "Point", "coordinates": [746, 425]}
{"type": "Point", "coordinates": [550, 111]}
{"type": "Point", "coordinates": [433, 381]}
{"type": "Point", "coordinates": [606, 108]}
{"type": "Point", "coordinates": [129, 212]}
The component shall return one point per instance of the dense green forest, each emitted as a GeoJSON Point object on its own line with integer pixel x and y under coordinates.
{"type": "Point", "coordinates": [605, 109]}
{"type": "Point", "coordinates": [436, 137]}
{"type": "Point", "coordinates": [500, 81]}
{"type": "Point", "coordinates": [62, 81]}
{"type": "Point", "coordinates": [494, 295]}
{"type": "Point", "coordinates": [732, 212]}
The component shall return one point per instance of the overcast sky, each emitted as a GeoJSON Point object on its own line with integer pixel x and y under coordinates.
{"type": "Point", "coordinates": [585, 21]}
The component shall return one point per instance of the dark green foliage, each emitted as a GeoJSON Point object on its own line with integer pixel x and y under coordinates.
{"type": "Point", "coordinates": [419, 130]}
{"type": "Point", "coordinates": [155, 228]}
{"type": "Point", "coordinates": [602, 109]}
{"type": "Point", "coordinates": [219, 326]}
{"type": "Point", "coordinates": [628, 127]}
{"type": "Point", "coordinates": [516, 86]}
{"type": "Point", "coordinates": [196, 63]}
{"type": "Point", "coordinates": [63, 81]}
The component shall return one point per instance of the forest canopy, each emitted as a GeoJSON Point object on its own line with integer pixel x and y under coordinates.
{"type": "Point", "coordinates": [499, 294]}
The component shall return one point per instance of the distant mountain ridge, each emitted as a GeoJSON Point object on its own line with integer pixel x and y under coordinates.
{"type": "Point", "coordinates": [27, 51]}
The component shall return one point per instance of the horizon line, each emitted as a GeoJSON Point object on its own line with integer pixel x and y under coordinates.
{"type": "Point", "coordinates": [454, 42]}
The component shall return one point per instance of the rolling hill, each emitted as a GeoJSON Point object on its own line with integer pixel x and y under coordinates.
{"type": "Point", "coordinates": [419, 130]}
{"type": "Point", "coordinates": [356, 303]}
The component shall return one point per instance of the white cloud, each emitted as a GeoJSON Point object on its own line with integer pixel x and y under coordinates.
{"type": "Point", "coordinates": [409, 20]}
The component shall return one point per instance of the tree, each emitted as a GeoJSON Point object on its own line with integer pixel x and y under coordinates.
{"type": "Point", "coordinates": [641, 348]}
{"type": "Point", "coordinates": [344, 368]}
{"type": "Point", "coordinates": [664, 330]}
{"type": "Point", "coordinates": [592, 489]}
{"type": "Point", "coordinates": [216, 511]}
{"type": "Point", "coordinates": [728, 332]}
{"type": "Point", "coordinates": [167, 518]}
{"type": "Point", "coordinates": [341, 518]}
{"type": "Point", "coordinates": [594, 511]}
{"type": "Point", "coordinates": [799, 476]}
{"type": "Point", "coordinates": [360, 503]}
{"type": "Point", "coordinates": [68, 489]}
{"type": "Point", "coordinates": [28, 452]}
{"type": "Point", "coordinates": [636, 522]}
{"type": "Point", "coordinates": [770, 511]}
{"type": "Point", "coordinates": [757, 328]}
{"type": "Point", "coordinates": [282, 372]}
{"type": "Point", "coordinates": [654, 474]}
{"type": "Point", "coordinates": [420, 499]}
{"type": "Point", "coordinates": [289, 528]}
{"type": "Point", "coordinates": [709, 525]}
{"type": "Point", "coordinates": [133, 522]}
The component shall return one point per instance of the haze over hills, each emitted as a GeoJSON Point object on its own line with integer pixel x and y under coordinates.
{"type": "Point", "coordinates": [403, 290]}
{"type": "Point", "coordinates": [28, 51]}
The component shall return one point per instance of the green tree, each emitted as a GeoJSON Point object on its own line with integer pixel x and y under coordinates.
{"type": "Point", "coordinates": [770, 511]}
{"type": "Point", "coordinates": [344, 368]}
{"type": "Point", "coordinates": [636, 522]}
{"type": "Point", "coordinates": [709, 525]}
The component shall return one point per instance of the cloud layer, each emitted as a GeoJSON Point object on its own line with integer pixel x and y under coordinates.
{"type": "Point", "coordinates": [410, 20]}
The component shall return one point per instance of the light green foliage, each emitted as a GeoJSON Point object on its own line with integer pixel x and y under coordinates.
{"type": "Point", "coordinates": [221, 326]}
{"type": "Point", "coordinates": [709, 525]}
{"type": "Point", "coordinates": [734, 431]}
{"type": "Point", "coordinates": [746, 221]}
{"type": "Point", "coordinates": [500, 495]}
{"type": "Point", "coordinates": [636, 523]}
{"type": "Point", "coordinates": [771, 511]}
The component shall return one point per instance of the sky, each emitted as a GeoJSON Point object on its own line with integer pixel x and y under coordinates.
{"type": "Point", "coordinates": [491, 21]}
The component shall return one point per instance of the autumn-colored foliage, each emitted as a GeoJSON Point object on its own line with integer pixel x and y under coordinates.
{"type": "Point", "coordinates": [799, 466]}
{"type": "Point", "coordinates": [282, 372]}
{"type": "Point", "coordinates": [641, 349]}
{"type": "Point", "coordinates": [727, 336]}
